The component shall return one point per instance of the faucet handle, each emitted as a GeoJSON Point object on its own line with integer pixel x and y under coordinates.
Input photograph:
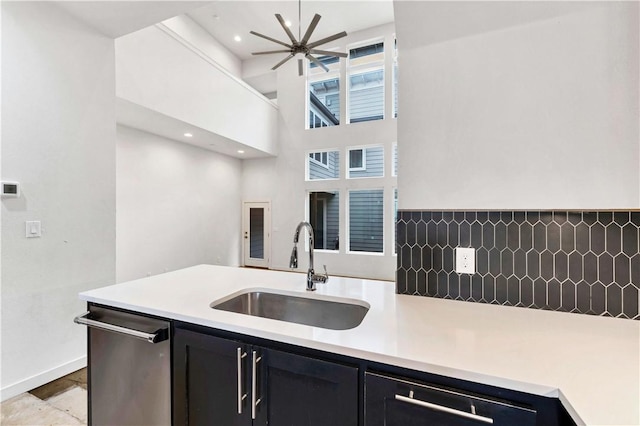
{"type": "Point", "coordinates": [326, 274]}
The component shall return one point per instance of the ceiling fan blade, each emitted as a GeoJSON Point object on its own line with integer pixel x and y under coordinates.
{"type": "Point", "coordinates": [328, 53]}
{"type": "Point", "coordinates": [286, 29]}
{"type": "Point", "coordinates": [268, 52]}
{"type": "Point", "coordinates": [276, 66]}
{"type": "Point", "coordinates": [312, 27]}
{"type": "Point", "coordinates": [300, 67]}
{"type": "Point", "coordinates": [327, 39]}
{"type": "Point", "coordinates": [317, 62]}
{"type": "Point", "coordinates": [270, 39]}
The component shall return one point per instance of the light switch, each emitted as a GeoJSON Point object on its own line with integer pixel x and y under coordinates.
{"type": "Point", "coordinates": [34, 229]}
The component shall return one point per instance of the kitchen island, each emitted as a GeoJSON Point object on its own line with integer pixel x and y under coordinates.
{"type": "Point", "coordinates": [592, 364]}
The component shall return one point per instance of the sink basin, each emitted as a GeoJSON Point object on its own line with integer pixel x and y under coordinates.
{"type": "Point", "coordinates": [319, 311]}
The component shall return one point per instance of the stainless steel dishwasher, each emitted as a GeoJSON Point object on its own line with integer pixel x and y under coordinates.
{"type": "Point", "coordinates": [129, 368]}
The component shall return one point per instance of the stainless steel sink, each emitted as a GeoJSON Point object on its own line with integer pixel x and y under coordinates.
{"type": "Point", "coordinates": [319, 311]}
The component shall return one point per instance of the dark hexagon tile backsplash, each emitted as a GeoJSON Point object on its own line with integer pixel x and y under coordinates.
{"type": "Point", "coordinates": [583, 262]}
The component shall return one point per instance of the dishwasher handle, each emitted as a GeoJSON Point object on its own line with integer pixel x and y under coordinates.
{"type": "Point", "coordinates": [157, 337]}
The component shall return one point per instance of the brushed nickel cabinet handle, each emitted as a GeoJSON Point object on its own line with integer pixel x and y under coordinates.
{"type": "Point", "coordinates": [241, 396]}
{"type": "Point", "coordinates": [443, 409]}
{"type": "Point", "coordinates": [254, 384]}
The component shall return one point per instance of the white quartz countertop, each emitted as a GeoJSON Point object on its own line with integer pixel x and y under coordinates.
{"type": "Point", "coordinates": [591, 363]}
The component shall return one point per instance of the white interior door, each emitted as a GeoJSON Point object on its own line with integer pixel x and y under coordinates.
{"type": "Point", "coordinates": [256, 224]}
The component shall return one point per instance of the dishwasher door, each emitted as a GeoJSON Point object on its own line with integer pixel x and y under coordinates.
{"type": "Point", "coordinates": [129, 368]}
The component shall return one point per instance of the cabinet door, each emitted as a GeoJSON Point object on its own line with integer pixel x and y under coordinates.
{"type": "Point", "coordinates": [209, 381]}
{"type": "Point", "coordinates": [301, 391]}
{"type": "Point", "coordinates": [394, 402]}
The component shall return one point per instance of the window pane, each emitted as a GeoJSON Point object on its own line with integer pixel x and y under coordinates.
{"type": "Point", "coordinates": [356, 157]}
{"type": "Point", "coordinates": [366, 96]}
{"type": "Point", "coordinates": [366, 162]}
{"type": "Point", "coordinates": [366, 54]}
{"type": "Point", "coordinates": [324, 217]}
{"type": "Point", "coordinates": [323, 165]}
{"type": "Point", "coordinates": [324, 102]}
{"type": "Point", "coordinates": [366, 83]}
{"type": "Point", "coordinates": [256, 233]}
{"type": "Point", "coordinates": [395, 78]}
{"type": "Point", "coordinates": [395, 219]}
{"type": "Point", "coordinates": [366, 226]}
{"type": "Point", "coordinates": [395, 89]}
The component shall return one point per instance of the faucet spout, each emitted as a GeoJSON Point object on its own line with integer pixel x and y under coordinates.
{"type": "Point", "coordinates": [312, 278]}
{"type": "Point", "coordinates": [293, 261]}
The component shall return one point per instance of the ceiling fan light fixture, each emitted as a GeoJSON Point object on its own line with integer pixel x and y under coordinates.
{"type": "Point", "coordinates": [301, 45]}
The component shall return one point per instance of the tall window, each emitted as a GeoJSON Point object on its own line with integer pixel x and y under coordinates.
{"type": "Point", "coordinates": [395, 78]}
{"type": "Point", "coordinates": [361, 212]}
{"type": "Point", "coordinates": [324, 93]}
{"type": "Point", "coordinates": [395, 220]}
{"type": "Point", "coordinates": [324, 217]}
{"type": "Point", "coordinates": [366, 83]}
{"type": "Point", "coordinates": [366, 220]}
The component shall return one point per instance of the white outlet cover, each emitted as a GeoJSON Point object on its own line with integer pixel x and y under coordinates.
{"type": "Point", "coordinates": [465, 260]}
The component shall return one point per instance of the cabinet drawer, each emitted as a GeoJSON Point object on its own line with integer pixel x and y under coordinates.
{"type": "Point", "coordinates": [391, 401]}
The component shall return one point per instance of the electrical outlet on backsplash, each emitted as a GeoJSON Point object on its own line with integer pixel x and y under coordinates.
{"type": "Point", "coordinates": [585, 262]}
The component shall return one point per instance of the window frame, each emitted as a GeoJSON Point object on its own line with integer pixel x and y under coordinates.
{"type": "Point", "coordinates": [316, 76]}
{"type": "Point", "coordinates": [309, 160]}
{"type": "Point", "coordinates": [320, 162]}
{"type": "Point", "coordinates": [363, 166]}
{"type": "Point", "coordinates": [364, 68]}
{"type": "Point", "coordinates": [308, 217]}
{"type": "Point", "coordinates": [394, 78]}
{"type": "Point", "coordinates": [348, 250]}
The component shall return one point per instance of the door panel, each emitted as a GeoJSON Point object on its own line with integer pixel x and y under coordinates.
{"type": "Point", "coordinates": [206, 381]}
{"type": "Point", "coordinates": [396, 402]}
{"type": "Point", "coordinates": [257, 233]}
{"type": "Point", "coordinates": [301, 391]}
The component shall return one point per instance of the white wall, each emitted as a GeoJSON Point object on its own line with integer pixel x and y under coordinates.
{"type": "Point", "coordinates": [156, 71]}
{"type": "Point", "coordinates": [58, 138]}
{"type": "Point", "coordinates": [200, 39]}
{"type": "Point", "coordinates": [282, 179]}
{"type": "Point", "coordinates": [177, 206]}
{"type": "Point", "coordinates": [518, 105]}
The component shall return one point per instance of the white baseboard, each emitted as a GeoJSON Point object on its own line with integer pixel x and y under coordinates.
{"type": "Point", "coordinates": [42, 378]}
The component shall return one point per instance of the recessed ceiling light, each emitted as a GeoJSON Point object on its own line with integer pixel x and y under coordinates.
{"type": "Point", "coordinates": [237, 38]}
{"type": "Point", "coordinates": [240, 151]}
{"type": "Point", "coordinates": [188, 135]}
{"type": "Point", "coordinates": [287, 23]}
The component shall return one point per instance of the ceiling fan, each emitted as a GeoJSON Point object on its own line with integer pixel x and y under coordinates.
{"type": "Point", "coordinates": [302, 45]}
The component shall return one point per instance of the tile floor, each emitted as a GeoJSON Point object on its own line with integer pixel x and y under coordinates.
{"type": "Point", "coordinates": [61, 402]}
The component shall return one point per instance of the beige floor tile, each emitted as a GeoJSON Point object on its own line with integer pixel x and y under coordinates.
{"type": "Point", "coordinates": [77, 378]}
{"type": "Point", "coordinates": [73, 402]}
{"type": "Point", "coordinates": [27, 410]}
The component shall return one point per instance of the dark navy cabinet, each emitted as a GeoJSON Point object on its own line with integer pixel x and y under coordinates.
{"type": "Point", "coordinates": [205, 381]}
{"type": "Point", "coordinates": [222, 378]}
{"type": "Point", "coordinates": [391, 401]}
{"type": "Point", "coordinates": [229, 382]}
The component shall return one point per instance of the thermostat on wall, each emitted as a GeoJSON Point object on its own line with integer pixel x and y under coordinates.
{"type": "Point", "coordinates": [10, 189]}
